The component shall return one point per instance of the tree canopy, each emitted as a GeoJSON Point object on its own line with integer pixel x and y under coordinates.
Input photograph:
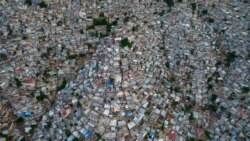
{"type": "Point", "coordinates": [125, 42]}
{"type": "Point", "coordinates": [170, 3]}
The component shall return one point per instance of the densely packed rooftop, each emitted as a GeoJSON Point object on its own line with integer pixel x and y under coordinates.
{"type": "Point", "coordinates": [124, 70]}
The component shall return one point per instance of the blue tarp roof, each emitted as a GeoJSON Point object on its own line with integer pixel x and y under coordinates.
{"type": "Point", "coordinates": [110, 83]}
{"type": "Point", "coordinates": [87, 133]}
{"type": "Point", "coordinates": [152, 134]}
{"type": "Point", "coordinates": [128, 113]}
{"type": "Point", "coordinates": [25, 114]}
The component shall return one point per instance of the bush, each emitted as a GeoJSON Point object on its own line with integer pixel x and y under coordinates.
{"type": "Point", "coordinates": [23, 139]}
{"type": "Point", "coordinates": [101, 35]}
{"type": "Point", "coordinates": [243, 98]}
{"type": "Point", "coordinates": [78, 104]}
{"type": "Point", "coordinates": [213, 5]}
{"type": "Point", "coordinates": [99, 136]}
{"type": "Point", "coordinates": [108, 27]}
{"type": "Point", "coordinates": [6, 136]}
{"type": "Point", "coordinates": [33, 128]}
{"type": "Point", "coordinates": [187, 108]}
{"type": "Point", "coordinates": [210, 87]}
{"type": "Point", "coordinates": [42, 4]}
{"type": "Point", "coordinates": [49, 49]}
{"type": "Point", "coordinates": [174, 103]}
{"type": "Point", "coordinates": [48, 125]}
{"type": "Point", "coordinates": [102, 20]}
{"type": "Point", "coordinates": [81, 55]}
{"type": "Point", "coordinates": [162, 127]}
{"type": "Point", "coordinates": [114, 23]}
{"type": "Point", "coordinates": [9, 30]}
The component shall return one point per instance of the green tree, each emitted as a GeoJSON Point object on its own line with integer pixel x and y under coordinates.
{"type": "Point", "coordinates": [230, 57]}
{"type": "Point", "coordinates": [41, 97]}
{"type": "Point", "coordinates": [9, 30]}
{"type": "Point", "coordinates": [193, 5]}
{"type": "Point", "coordinates": [100, 21]}
{"type": "Point", "coordinates": [75, 139]}
{"type": "Point", "coordinates": [212, 107]}
{"type": "Point", "coordinates": [190, 139]}
{"type": "Point", "coordinates": [210, 20]}
{"type": "Point", "coordinates": [59, 23]}
{"type": "Point", "coordinates": [101, 14]}
{"type": "Point", "coordinates": [98, 136]}
{"type": "Point", "coordinates": [3, 57]}
{"type": "Point", "coordinates": [232, 96]}
{"type": "Point", "coordinates": [42, 4]}
{"type": "Point", "coordinates": [191, 117]}
{"type": "Point", "coordinates": [167, 65]}
{"type": "Point", "coordinates": [245, 89]}
{"type": "Point", "coordinates": [18, 82]}
{"type": "Point", "coordinates": [63, 85]}
{"type": "Point", "coordinates": [67, 133]}
{"type": "Point", "coordinates": [204, 12]}
{"type": "Point", "coordinates": [20, 120]}
{"type": "Point", "coordinates": [126, 19]}
{"type": "Point", "coordinates": [81, 31]}
{"type": "Point", "coordinates": [170, 3]}
{"type": "Point", "coordinates": [28, 2]}
{"type": "Point", "coordinates": [214, 97]}
{"type": "Point", "coordinates": [135, 28]}
{"type": "Point", "coordinates": [23, 139]}
{"type": "Point", "coordinates": [109, 25]}
{"type": "Point", "coordinates": [90, 27]}
{"type": "Point", "coordinates": [207, 133]}
{"type": "Point", "coordinates": [125, 42]}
